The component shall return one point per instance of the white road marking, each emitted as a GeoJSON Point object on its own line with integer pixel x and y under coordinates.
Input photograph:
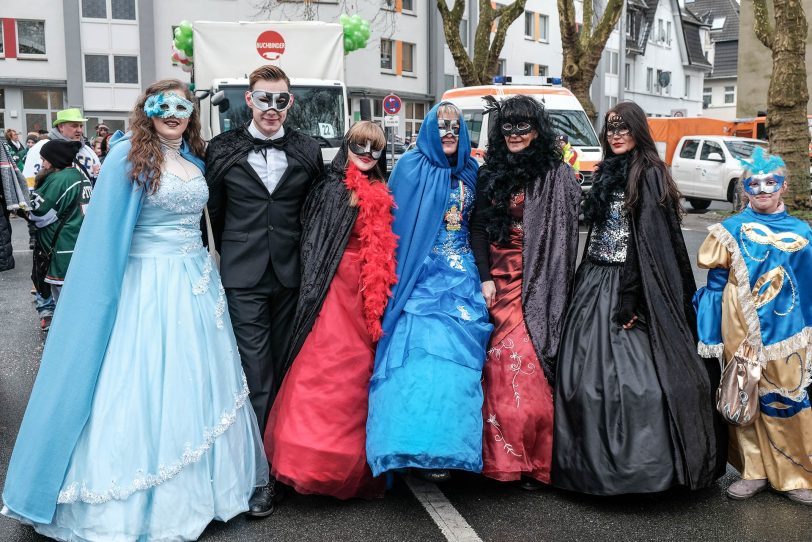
{"type": "Point", "coordinates": [451, 523]}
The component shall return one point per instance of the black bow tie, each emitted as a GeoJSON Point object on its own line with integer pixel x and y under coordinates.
{"type": "Point", "coordinates": [261, 145]}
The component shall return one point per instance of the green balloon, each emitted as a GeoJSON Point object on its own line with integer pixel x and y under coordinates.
{"type": "Point", "coordinates": [185, 25]}
{"type": "Point", "coordinates": [177, 33]}
{"type": "Point", "coordinates": [364, 32]}
{"type": "Point", "coordinates": [356, 18]}
{"type": "Point", "coordinates": [348, 44]}
{"type": "Point", "coordinates": [344, 19]}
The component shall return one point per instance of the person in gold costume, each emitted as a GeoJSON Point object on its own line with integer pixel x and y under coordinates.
{"type": "Point", "coordinates": [760, 291]}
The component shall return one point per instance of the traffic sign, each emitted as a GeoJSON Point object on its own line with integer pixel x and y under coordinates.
{"type": "Point", "coordinates": [391, 121]}
{"type": "Point", "coordinates": [392, 104]}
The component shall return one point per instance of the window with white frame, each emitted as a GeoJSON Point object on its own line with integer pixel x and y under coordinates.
{"type": "Point", "coordinates": [529, 25]}
{"type": "Point", "coordinates": [660, 30]}
{"type": "Point", "coordinates": [40, 107]}
{"type": "Point", "coordinates": [730, 95]}
{"type": "Point", "coordinates": [528, 68]}
{"type": "Point", "coordinates": [30, 37]}
{"type": "Point", "coordinates": [464, 32]}
{"type": "Point", "coordinates": [125, 69]}
{"type": "Point", "coordinates": [97, 69]}
{"type": "Point", "coordinates": [544, 27]}
{"type": "Point", "coordinates": [449, 82]}
{"type": "Point", "coordinates": [94, 9]}
{"type": "Point", "coordinates": [407, 5]}
{"type": "Point", "coordinates": [414, 112]}
{"type": "Point", "coordinates": [668, 33]}
{"type": "Point", "coordinates": [2, 105]}
{"type": "Point", "coordinates": [614, 59]}
{"type": "Point", "coordinates": [122, 10]}
{"type": "Point", "coordinates": [2, 50]}
{"type": "Point", "coordinates": [407, 63]}
{"type": "Point", "coordinates": [387, 47]}
{"type": "Point", "coordinates": [543, 70]}
{"type": "Point", "coordinates": [707, 96]}
{"type": "Point", "coordinates": [718, 23]}
{"type": "Point", "coordinates": [500, 66]}
{"type": "Point", "coordinates": [627, 76]}
{"type": "Point", "coordinates": [687, 92]}
{"type": "Point", "coordinates": [650, 79]}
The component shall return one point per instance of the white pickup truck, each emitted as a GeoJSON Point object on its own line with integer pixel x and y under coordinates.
{"type": "Point", "coordinates": [707, 168]}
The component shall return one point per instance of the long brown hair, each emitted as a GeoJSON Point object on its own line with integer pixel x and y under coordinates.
{"type": "Point", "coordinates": [145, 154]}
{"type": "Point", "coordinates": [642, 157]}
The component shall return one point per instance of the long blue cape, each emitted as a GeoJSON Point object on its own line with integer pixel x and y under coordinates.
{"type": "Point", "coordinates": [60, 401]}
{"type": "Point", "coordinates": [420, 184]}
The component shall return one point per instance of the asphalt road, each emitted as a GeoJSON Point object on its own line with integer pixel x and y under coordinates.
{"type": "Point", "coordinates": [469, 508]}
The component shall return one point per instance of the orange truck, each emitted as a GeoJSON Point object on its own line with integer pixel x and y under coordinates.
{"type": "Point", "coordinates": [667, 131]}
{"type": "Point", "coordinates": [756, 128]}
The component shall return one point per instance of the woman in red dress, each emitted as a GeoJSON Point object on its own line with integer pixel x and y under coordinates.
{"type": "Point", "coordinates": [316, 433]}
{"type": "Point", "coordinates": [525, 239]}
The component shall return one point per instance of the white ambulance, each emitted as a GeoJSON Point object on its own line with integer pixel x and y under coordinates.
{"type": "Point", "coordinates": [566, 113]}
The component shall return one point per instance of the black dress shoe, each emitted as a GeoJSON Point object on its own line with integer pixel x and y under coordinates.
{"type": "Point", "coordinates": [433, 475]}
{"type": "Point", "coordinates": [530, 484]}
{"type": "Point", "coordinates": [264, 500]}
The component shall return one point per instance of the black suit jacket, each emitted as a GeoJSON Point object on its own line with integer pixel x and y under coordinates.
{"type": "Point", "coordinates": [252, 227]}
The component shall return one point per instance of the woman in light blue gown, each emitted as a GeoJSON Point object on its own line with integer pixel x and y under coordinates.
{"type": "Point", "coordinates": [139, 425]}
{"type": "Point", "coordinates": [425, 402]}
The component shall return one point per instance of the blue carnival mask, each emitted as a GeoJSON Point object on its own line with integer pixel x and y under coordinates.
{"type": "Point", "coordinates": [767, 183]}
{"type": "Point", "coordinates": [763, 169]}
{"type": "Point", "coordinates": [168, 104]}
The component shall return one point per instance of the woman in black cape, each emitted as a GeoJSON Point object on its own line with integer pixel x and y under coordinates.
{"type": "Point", "coordinates": [634, 410]}
{"type": "Point", "coordinates": [316, 432]}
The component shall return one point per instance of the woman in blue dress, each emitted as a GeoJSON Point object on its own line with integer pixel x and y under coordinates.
{"type": "Point", "coordinates": [139, 425]}
{"type": "Point", "coordinates": [425, 403]}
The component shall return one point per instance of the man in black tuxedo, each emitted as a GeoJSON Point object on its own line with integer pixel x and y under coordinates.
{"type": "Point", "coordinates": [259, 176]}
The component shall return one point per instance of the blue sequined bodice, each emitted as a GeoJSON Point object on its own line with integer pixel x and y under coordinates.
{"type": "Point", "coordinates": [169, 223]}
{"type": "Point", "coordinates": [453, 238]}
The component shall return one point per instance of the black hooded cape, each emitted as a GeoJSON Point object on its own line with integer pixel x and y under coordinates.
{"type": "Point", "coordinates": [327, 221]}
{"type": "Point", "coordinates": [549, 253]}
{"type": "Point", "coordinates": [667, 287]}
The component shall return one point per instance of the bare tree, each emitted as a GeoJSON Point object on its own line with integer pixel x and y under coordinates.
{"type": "Point", "coordinates": [788, 95]}
{"type": "Point", "coordinates": [583, 46]}
{"type": "Point", "coordinates": [489, 37]}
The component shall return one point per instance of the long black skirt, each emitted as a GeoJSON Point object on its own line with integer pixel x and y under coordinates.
{"type": "Point", "coordinates": [612, 432]}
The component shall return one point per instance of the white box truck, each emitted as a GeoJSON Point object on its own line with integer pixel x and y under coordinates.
{"type": "Point", "coordinates": [312, 55]}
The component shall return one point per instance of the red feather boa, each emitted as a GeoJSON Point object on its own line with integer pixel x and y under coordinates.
{"type": "Point", "coordinates": [378, 245]}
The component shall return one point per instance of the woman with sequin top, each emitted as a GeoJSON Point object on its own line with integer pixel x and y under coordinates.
{"type": "Point", "coordinates": [525, 239]}
{"type": "Point", "coordinates": [633, 399]}
{"type": "Point", "coordinates": [139, 425]}
{"type": "Point", "coordinates": [425, 395]}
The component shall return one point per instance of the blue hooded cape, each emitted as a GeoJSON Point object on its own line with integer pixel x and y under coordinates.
{"type": "Point", "coordinates": [420, 184]}
{"type": "Point", "coordinates": [60, 401]}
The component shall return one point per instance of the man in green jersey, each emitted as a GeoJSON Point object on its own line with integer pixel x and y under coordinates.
{"type": "Point", "coordinates": [61, 194]}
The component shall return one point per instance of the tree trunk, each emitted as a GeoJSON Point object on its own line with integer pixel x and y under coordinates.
{"type": "Point", "coordinates": [489, 38]}
{"type": "Point", "coordinates": [583, 47]}
{"type": "Point", "coordinates": [787, 100]}
{"type": "Point", "coordinates": [788, 94]}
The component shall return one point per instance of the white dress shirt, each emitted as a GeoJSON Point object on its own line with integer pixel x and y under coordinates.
{"type": "Point", "coordinates": [270, 165]}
